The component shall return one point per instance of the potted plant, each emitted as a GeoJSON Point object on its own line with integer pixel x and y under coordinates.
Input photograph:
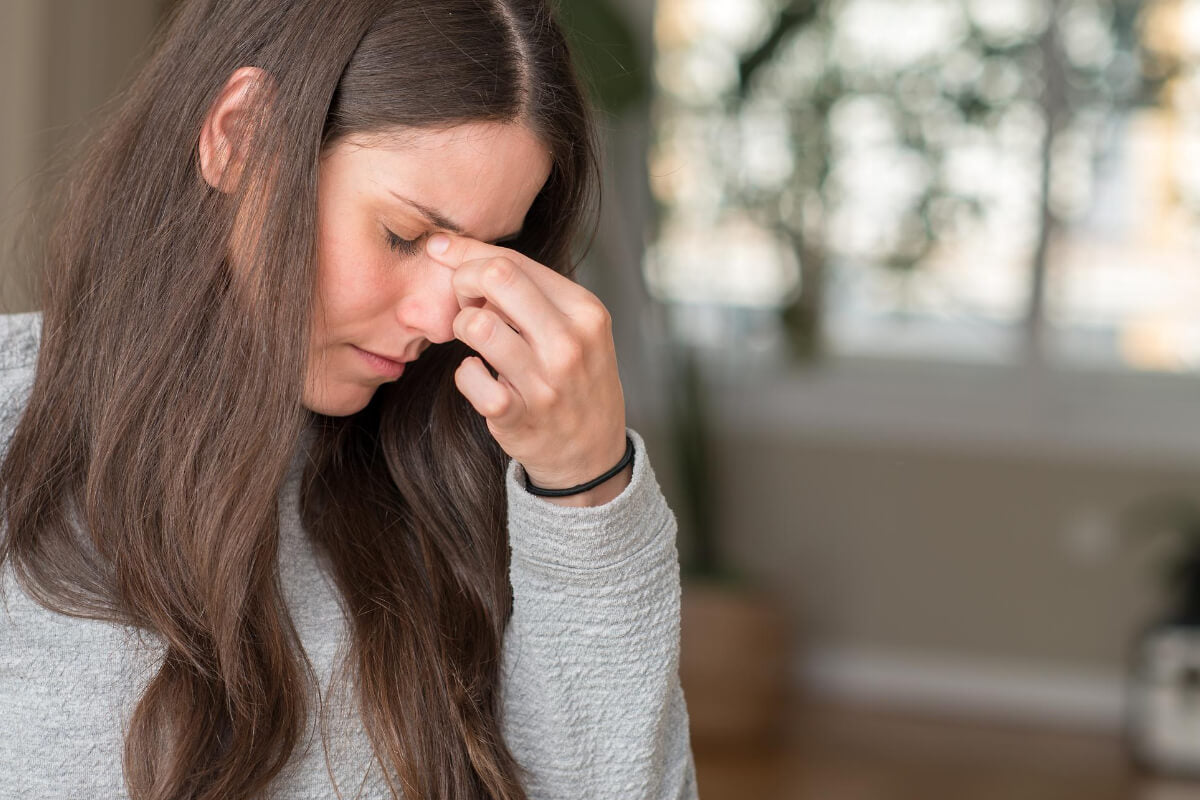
{"type": "Point", "coordinates": [734, 651]}
{"type": "Point", "coordinates": [1163, 710]}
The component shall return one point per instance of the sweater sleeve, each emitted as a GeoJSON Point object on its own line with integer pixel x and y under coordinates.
{"type": "Point", "coordinates": [592, 706]}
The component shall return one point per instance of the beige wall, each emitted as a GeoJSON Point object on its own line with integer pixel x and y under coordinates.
{"type": "Point", "coordinates": [23, 26]}
{"type": "Point", "coordinates": [922, 548]}
{"type": "Point", "coordinates": [59, 61]}
{"type": "Point", "coordinates": [941, 579]}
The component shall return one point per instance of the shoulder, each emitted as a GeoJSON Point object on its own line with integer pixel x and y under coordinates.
{"type": "Point", "coordinates": [20, 336]}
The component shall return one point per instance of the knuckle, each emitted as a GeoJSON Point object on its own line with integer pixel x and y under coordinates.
{"type": "Point", "coordinates": [595, 318]}
{"type": "Point", "coordinates": [546, 396]}
{"type": "Point", "coordinates": [500, 271]}
{"type": "Point", "coordinates": [497, 408]}
{"type": "Point", "coordinates": [479, 325]}
{"type": "Point", "coordinates": [567, 354]}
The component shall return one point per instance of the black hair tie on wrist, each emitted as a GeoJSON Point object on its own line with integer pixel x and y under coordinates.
{"type": "Point", "coordinates": [626, 460]}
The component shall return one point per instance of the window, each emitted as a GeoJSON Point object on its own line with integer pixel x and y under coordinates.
{"type": "Point", "coordinates": [957, 180]}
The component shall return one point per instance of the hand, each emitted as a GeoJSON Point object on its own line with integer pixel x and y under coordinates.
{"type": "Point", "coordinates": [556, 404]}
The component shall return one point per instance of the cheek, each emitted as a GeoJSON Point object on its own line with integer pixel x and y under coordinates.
{"type": "Point", "coordinates": [350, 280]}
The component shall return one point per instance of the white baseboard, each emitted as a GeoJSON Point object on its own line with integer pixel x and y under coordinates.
{"type": "Point", "coordinates": [1014, 691]}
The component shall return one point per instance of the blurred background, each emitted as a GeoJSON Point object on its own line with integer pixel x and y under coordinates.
{"type": "Point", "coordinates": [907, 301]}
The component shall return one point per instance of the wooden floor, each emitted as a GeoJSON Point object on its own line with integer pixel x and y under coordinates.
{"type": "Point", "coordinates": [841, 752]}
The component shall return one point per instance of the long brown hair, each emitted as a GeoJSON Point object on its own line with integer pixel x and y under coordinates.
{"type": "Point", "coordinates": [141, 483]}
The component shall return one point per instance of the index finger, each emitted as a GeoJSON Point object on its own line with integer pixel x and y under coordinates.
{"type": "Point", "coordinates": [454, 251]}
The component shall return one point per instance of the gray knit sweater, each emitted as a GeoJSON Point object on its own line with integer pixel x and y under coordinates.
{"type": "Point", "coordinates": [591, 701]}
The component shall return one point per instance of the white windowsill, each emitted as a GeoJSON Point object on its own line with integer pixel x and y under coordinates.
{"type": "Point", "coordinates": [1106, 416]}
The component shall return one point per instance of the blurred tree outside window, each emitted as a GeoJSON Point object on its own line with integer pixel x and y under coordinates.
{"type": "Point", "coordinates": [954, 179]}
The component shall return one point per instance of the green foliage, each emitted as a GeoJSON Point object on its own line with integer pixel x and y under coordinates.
{"type": "Point", "coordinates": [1178, 517]}
{"type": "Point", "coordinates": [981, 81]}
{"type": "Point", "coordinates": [691, 440]}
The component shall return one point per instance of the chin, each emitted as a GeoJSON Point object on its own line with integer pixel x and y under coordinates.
{"type": "Point", "coordinates": [340, 404]}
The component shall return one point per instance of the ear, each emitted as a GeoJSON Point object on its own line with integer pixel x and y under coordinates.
{"type": "Point", "coordinates": [226, 133]}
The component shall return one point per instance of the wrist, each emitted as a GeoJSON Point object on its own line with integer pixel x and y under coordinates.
{"type": "Point", "coordinates": [596, 491]}
{"type": "Point", "coordinates": [599, 495]}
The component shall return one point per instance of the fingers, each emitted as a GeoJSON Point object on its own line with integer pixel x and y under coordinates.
{"type": "Point", "coordinates": [494, 398]}
{"type": "Point", "coordinates": [457, 251]}
{"type": "Point", "coordinates": [548, 339]}
{"type": "Point", "coordinates": [498, 284]}
{"type": "Point", "coordinates": [506, 350]}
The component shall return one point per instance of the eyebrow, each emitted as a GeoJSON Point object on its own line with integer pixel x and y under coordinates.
{"type": "Point", "coordinates": [442, 221]}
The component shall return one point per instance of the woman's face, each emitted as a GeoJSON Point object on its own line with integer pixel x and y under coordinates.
{"type": "Point", "coordinates": [378, 198]}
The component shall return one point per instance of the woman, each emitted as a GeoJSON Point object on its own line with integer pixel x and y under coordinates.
{"type": "Point", "coordinates": [249, 552]}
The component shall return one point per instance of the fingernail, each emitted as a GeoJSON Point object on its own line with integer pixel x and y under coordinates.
{"type": "Point", "coordinates": [438, 244]}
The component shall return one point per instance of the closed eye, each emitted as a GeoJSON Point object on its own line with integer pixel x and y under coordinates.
{"type": "Point", "coordinates": [405, 247]}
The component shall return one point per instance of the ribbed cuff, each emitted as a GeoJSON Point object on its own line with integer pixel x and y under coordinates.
{"type": "Point", "coordinates": [591, 537]}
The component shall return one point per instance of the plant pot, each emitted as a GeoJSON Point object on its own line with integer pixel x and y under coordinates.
{"type": "Point", "coordinates": [1162, 727]}
{"type": "Point", "coordinates": [733, 663]}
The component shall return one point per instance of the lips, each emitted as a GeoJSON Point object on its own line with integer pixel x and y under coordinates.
{"type": "Point", "coordinates": [389, 368]}
{"type": "Point", "coordinates": [397, 359]}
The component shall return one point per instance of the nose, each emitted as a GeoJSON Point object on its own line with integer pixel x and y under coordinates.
{"type": "Point", "coordinates": [428, 304]}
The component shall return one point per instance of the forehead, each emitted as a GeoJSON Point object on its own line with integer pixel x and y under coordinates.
{"type": "Point", "coordinates": [482, 175]}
